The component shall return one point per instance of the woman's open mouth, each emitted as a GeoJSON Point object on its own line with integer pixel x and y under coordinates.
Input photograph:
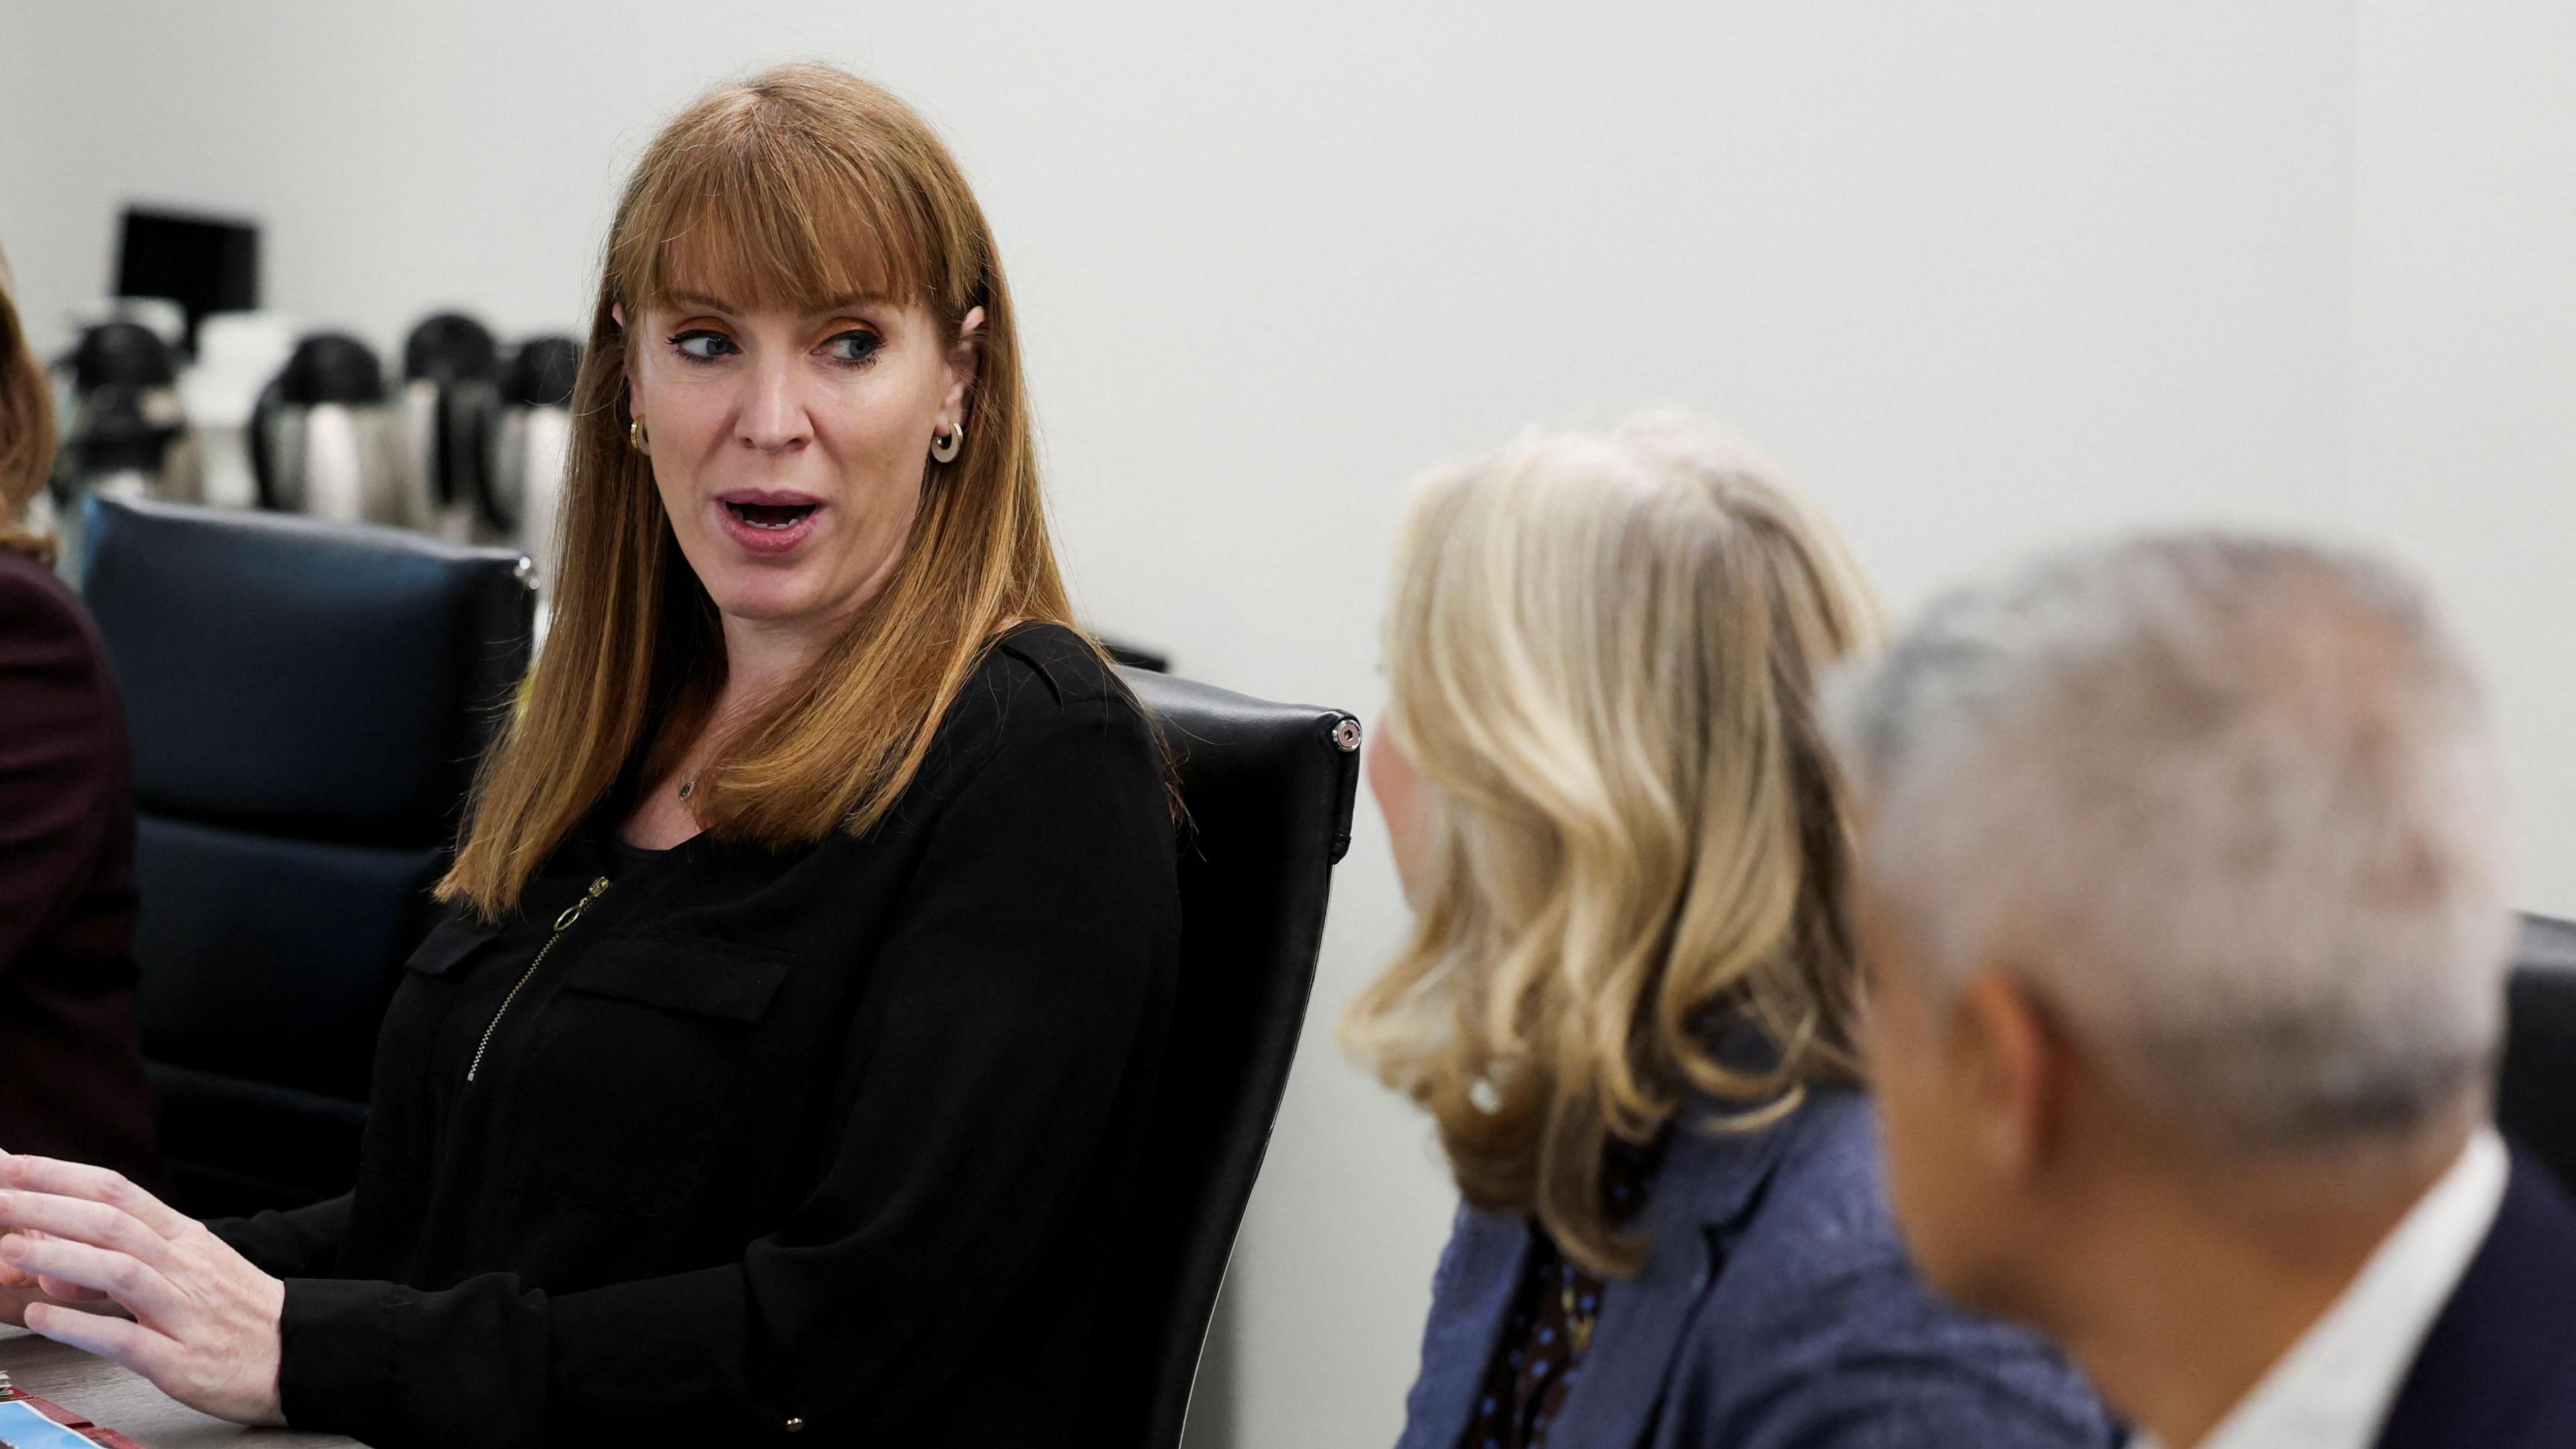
{"type": "Point", "coordinates": [771, 515]}
{"type": "Point", "coordinates": [770, 523]}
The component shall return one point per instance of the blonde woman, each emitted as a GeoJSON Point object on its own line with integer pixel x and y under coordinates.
{"type": "Point", "coordinates": [1628, 1000]}
{"type": "Point", "coordinates": [782, 1061]}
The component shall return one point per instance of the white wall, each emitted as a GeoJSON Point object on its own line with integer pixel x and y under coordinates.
{"type": "Point", "coordinates": [1982, 274]}
{"type": "Point", "coordinates": [2464, 360]}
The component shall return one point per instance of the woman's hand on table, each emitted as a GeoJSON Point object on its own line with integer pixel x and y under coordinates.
{"type": "Point", "coordinates": [205, 1325]}
{"type": "Point", "coordinates": [20, 1291]}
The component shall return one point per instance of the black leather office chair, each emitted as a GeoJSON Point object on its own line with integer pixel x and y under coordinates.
{"type": "Point", "coordinates": [307, 703]}
{"type": "Point", "coordinates": [2536, 1096]}
{"type": "Point", "coordinates": [1269, 789]}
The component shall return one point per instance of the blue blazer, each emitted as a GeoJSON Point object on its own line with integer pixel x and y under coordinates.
{"type": "Point", "coordinates": [1775, 1311]}
{"type": "Point", "coordinates": [2498, 1368]}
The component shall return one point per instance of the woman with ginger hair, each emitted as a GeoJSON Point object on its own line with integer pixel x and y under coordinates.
{"type": "Point", "coordinates": [1628, 998]}
{"type": "Point", "coordinates": [783, 1055]}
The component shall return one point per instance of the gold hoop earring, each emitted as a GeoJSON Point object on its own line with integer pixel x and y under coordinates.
{"type": "Point", "coordinates": [636, 439]}
{"type": "Point", "coordinates": [944, 447]}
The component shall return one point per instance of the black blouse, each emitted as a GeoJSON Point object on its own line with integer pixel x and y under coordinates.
{"type": "Point", "coordinates": [820, 1142]}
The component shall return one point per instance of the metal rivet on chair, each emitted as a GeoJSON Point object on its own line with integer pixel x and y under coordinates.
{"type": "Point", "coordinates": [1347, 734]}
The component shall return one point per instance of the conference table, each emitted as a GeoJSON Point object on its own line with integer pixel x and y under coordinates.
{"type": "Point", "coordinates": [112, 1398]}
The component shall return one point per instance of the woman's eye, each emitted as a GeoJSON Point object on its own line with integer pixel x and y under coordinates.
{"type": "Point", "coordinates": [853, 346]}
{"type": "Point", "coordinates": [703, 345]}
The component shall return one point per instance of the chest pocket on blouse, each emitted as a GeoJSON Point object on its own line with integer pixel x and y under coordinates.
{"type": "Point", "coordinates": [398, 1136]}
{"type": "Point", "coordinates": [636, 1068]}
{"type": "Point", "coordinates": [428, 984]}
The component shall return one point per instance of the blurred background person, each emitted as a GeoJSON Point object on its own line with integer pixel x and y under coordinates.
{"type": "Point", "coordinates": [2182, 888]}
{"type": "Point", "coordinates": [71, 1071]}
{"type": "Point", "coordinates": [1628, 998]}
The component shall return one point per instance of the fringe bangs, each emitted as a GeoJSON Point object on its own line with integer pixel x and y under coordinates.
{"type": "Point", "coordinates": [756, 205]}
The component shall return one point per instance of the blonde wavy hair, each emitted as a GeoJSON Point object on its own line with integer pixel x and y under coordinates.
{"type": "Point", "coordinates": [1604, 651]}
{"type": "Point", "coordinates": [26, 430]}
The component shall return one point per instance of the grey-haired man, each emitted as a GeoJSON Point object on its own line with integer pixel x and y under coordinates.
{"type": "Point", "coordinates": [2181, 882]}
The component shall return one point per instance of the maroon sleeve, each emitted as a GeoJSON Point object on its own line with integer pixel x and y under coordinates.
{"type": "Point", "coordinates": [57, 771]}
{"type": "Point", "coordinates": [71, 1071]}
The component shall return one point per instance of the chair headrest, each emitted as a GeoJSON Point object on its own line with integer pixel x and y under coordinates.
{"type": "Point", "coordinates": [331, 681]}
{"type": "Point", "coordinates": [1269, 789]}
{"type": "Point", "coordinates": [1234, 750]}
{"type": "Point", "coordinates": [2547, 944]}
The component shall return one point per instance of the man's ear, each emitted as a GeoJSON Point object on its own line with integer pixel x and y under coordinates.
{"type": "Point", "coordinates": [2013, 1066]}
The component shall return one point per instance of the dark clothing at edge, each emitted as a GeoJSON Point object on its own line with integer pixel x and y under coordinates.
{"type": "Point", "coordinates": [71, 1070]}
{"type": "Point", "coordinates": [2498, 1368]}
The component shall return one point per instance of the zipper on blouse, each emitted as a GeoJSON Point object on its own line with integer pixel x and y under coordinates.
{"type": "Point", "coordinates": [563, 923]}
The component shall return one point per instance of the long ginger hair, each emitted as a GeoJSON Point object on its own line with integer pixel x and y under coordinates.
{"type": "Point", "coordinates": [797, 188]}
